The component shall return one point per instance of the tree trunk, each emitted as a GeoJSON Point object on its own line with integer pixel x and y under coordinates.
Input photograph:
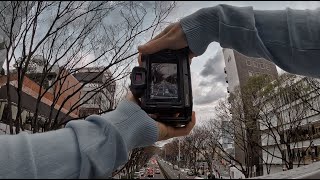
{"type": "Point", "coordinates": [9, 115]}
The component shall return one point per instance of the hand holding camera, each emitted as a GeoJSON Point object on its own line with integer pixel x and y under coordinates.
{"type": "Point", "coordinates": [165, 80]}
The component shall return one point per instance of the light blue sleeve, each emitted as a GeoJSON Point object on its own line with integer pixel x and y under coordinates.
{"type": "Point", "coordinates": [89, 148]}
{"type": "Point", "coordinates": [290, 38]}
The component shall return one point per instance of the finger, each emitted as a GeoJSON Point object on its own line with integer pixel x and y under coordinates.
{"type": "Point", "coordinates": [191, 55]}
{"type": "Point", "coordinates": [155, 45]}
{"type": "Point", "coordinates": [139, 59]}
{"type": "Point", "coordinates": [165, 31]}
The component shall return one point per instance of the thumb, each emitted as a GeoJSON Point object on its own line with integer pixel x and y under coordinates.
{"type": "Point", "coordinates": [154, 46]}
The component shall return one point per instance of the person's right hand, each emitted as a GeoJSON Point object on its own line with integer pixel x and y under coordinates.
{"type": "Point", "coordinates": [172, 37]}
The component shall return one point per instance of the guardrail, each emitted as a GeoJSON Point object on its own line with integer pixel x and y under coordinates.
{"type": "Point", "coordinates": [311, 171]}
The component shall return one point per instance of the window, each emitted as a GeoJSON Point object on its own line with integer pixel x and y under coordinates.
{"type": "Point", "coordinates": [255, 64]}
{"type": "Point", "coordinates": [248, 62]}
{"type": "Point", "coordinates": [261, 65]}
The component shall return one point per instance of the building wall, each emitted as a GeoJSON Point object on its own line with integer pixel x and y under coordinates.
{"type": "Point", "coordinates": [248, 66]}
{"type": "Point", "coordinates": [101, 101]}
{"type": "Point", "coordinates": [231, 69]}
{"type": "Point", "coordinates": [32, 88]}
{"type": "Point", "coordinates": [68, 86]}
{"type": "Point", "coordinates": [309, 121]}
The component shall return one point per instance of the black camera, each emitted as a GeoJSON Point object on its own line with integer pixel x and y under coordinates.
{"type": "Point", "coordinates": [164, 85]}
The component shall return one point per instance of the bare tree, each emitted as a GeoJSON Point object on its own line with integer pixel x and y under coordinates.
{"type": "Point", "coordinates": [74, 36]}
{"type": "Point", "coordinates": [284, 111]}
{"type": "Point", "coordinates": [137, 159]}
{"type": "Point", "coordinates": [272, 111]}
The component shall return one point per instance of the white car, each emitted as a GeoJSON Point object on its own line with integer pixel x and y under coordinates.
{"type": "Point", "coordinates": [157, 171]}
{"type": "Point", "coordinates": [136, 175]}
{"type": "Point", "coordinates": [141, 172]}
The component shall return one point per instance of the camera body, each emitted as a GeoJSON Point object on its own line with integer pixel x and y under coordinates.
{"type": "Point", "coordinates": [164, 85]}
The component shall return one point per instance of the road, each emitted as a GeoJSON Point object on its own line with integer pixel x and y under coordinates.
{"type": "Point", "coordinates": [156, 176]}
{"type": "Point", "coordinates": [164, 90]}
{"type": "Point", "coordinates": [173, 172]}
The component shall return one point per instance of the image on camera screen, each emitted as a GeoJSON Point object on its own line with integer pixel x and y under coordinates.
{"type": "Point", "coordinates": [164, 83]}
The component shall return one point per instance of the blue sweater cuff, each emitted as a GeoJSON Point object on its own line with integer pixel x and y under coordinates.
{"type": "Point", "coordinates": [201, 28]}
{"type": "Point", "coordinates": [136, 127]}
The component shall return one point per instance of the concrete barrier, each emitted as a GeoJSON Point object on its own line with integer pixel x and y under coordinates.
{"type": "Point", "coordinates": [311, 171]}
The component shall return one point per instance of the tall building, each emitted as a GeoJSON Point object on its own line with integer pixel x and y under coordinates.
{"type": "Point", "coordinates": [94, 102]}
{"type": "Point", "coordinates": [226, 136]}
{"type": "Point", "coordinates": [238, 69]}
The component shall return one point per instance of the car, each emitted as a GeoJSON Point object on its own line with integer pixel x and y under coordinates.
{"type": "Point", "coordinates": [186, 170]}
{"type": "Point", "coordinates": [191, 173]}
{"type": "Point", "coordinates": [157, 171]}
{"type": "Point", "coordinates": [142, 171]}
{"type": "Point", "coordinates": [150, 172]}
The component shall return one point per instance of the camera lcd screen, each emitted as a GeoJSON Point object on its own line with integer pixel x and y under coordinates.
{"type": "Point", "coordinates": [164, 82]}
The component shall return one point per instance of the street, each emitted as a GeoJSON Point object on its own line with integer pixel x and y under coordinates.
{"type": "Point", "coordinates": [164, 90]}
{"type": "Point", "coordinates": [154, 165]}
{"type": "Point", "coordinates": [173, 173]}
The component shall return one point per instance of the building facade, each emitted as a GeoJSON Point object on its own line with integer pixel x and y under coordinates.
{"type": "Point", "coordinates": [59, 89]}
{"type": "Point", "coordinates": [98, 91]}
{"type": "Point", "coordinates": [226, 137]}
{"type": "Point", "coordinates": [238, 69]}
{"type": "Point", "coordinates": [29, 96]}
{"type": "Point", "coordinates": [297, 126]}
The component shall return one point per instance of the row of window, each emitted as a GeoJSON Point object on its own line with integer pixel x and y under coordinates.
{"type": "Point", "coordinates": [251, 73]}
{"type": "Point", "coordinates": [257, 65]}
